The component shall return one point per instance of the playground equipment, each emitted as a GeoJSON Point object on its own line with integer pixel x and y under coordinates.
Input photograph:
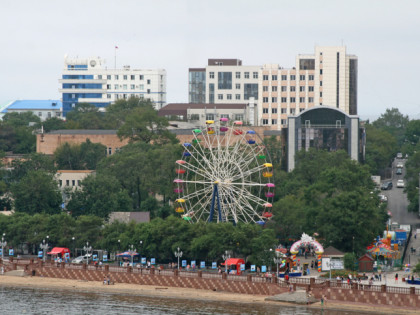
{"type": "Point", "coordinates": [224, 174]}
{"type": "Point", "coordinates": [305, 241]}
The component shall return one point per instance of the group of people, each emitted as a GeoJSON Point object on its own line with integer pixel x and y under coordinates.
{"type": "Point", "coordinates": [107, 280]}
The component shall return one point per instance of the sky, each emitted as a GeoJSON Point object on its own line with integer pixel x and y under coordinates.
{"type": "Point", "coordinates": [179, 34]}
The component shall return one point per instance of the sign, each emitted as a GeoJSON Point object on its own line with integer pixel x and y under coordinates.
{"type": "Point", "coordinates": [40, 253]}
{"type": "Point", "coordinates": [263, 268]}
{"type": "Point", "coordinates": [11, 252]}
{"type": "Point", "coordinates": [95, 257]}
{"type": "Point", "coordinates": [193, 264]}
{"type": "Point", "coordinates": [184, 263]}
{"type": "Point", "coordinates": [334, 264]}
{"type": "Point", "coordinates": [105, 257]}
{"type": "Point", "coordinates": [153, 261]}
{"type": "Point", "coordinates": [143, 260]}
{"type": "Point", "coordinates": [214, 265]}
{"type": "Point", "coordinates": [202, 264]}
{"type": "Point", "coordinates": [253, 268]}
{"type": "Point", "coordinates": [242, 267]}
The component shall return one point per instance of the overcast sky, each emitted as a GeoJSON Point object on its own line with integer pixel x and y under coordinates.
{"type": "Point", "coordinates": [176, 35]}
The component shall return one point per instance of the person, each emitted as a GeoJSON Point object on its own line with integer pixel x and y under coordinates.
{"type": "Point", "coordinates": [105, 280]}
{"type": "Point", "coordinates": [308, 271]}
{"type": "Point", "coordinates": [312, 264]}
{"type": "Point", "coordinates": [286, 278]}
{"type": "Point", "coordinates": [396, 277]}
{"type": "Point", "coordinates": [322, 300]}
{"type": "Point", "coordinates": [380, 275]}
{"type": "Point", "coordinates": [108, 280]}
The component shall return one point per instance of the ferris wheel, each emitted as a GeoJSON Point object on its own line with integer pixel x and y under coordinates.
{"type": "Point", "coordinates": [224, 175]}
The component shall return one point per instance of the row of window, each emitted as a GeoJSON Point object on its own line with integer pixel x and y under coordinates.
{"type": "Point", "coordinates": [73, 183]}
{"type": "Point", "coordinates": [124, 77]}
{"type": "Point", "coordinates": [125, 87]}
{"type": "Point", "coordinates": [291, 88]}
{"type": "Point", "coordinates": [239, 117]}
{"type": "Point", "coordinates": [274, 121]}
{"type": "Point", "coordinates": [228, 96]}
{"type": "Point", "coordinates": [302, 77]}
{"type": "Point", "coordinates": [238, 75]}
{"type": "Point", "coordinates": [49, 115]}
{"type": "Point", "coordinates": [283, 110]}
{"type": "Point", "coordinates": [291, 99]}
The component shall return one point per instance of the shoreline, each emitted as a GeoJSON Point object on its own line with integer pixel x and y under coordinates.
{"type": "Point", "coordinates": [184, 293]}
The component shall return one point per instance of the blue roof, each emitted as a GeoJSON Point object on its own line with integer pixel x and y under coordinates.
{"type": "Point", "coordinates": [34, 105]}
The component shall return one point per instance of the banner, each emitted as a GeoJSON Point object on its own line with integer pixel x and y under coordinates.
{"type": "Point", "coordinates": [242, 267]}
{"type": "Point", "coordinates": [152, 261]}
{"type": "Point", "coordinates": [253, 268]}
{"type": "Point", "coordinates": [202, 264]}
{"type": "Point", "coordinates": [11, 252]}
{"type": "Point", "coordinates": [214, 265]}
{"type": "Point", "coordinates": [40, 254]}
{"type": "Point", "coordinates": [95, 257]}
{"type": "Point", "coordinates": [105, 257]}
{"type": "Point", "coordinates": [143, 260]}
{"type": "Point", "coordinates": [184, 263]}
{"type": "Point", "coordinates": [193, 264]}
{"type": "Point", "coordinates": [263, 268]}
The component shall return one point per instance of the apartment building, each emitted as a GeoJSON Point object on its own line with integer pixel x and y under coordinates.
{"type": "Point", "coordinates": [326, 78]}
{"type": "Point", "coordinates": [90, 81]}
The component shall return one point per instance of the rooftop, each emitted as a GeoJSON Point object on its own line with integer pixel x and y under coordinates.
{"type": "Point", "coordinates": [33, 105]}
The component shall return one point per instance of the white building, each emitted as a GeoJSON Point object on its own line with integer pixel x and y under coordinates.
{"type": "Point", "coordinates": [90, 81]}
{"type": "Point", "coordinates": [44, 109]}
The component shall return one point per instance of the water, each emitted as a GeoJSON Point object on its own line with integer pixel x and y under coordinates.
{"type": "Point", "coordinates": [43, 301]}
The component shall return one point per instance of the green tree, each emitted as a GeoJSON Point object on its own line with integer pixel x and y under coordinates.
{"type": "Point", "coordinates": [37, 192]}
{"type": "Point", "coordinates": [85, 156]}
{"type": "Point", "coordinates": [51, 124]}
{"type": "Point", "coordinates": [394, 123]}
{"type": "Point", "coordinates": [412, 178]}
{"type": "Point", "coordinates": [31, 162]}
{"type": "Point", "coordinates": [87, 116]}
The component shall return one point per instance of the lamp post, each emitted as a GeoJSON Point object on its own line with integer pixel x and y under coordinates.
{"type": "Point", "coordinates": [277, 261]}
{"type": "Point", "coordinates": [225, 257]}
{"type": "Point", "coordinates": [131, 250]}
{"type": "Point", "coordinates": [44, 246]}
{"type": "Point", "coordinates": [74, 248]}
{"type": "Point", "coordinates": [141, 243]}
{"type": "Point", "coordinates": [3, 244]}
{"type": "Point", "coordinates": [178, 254]}
{"type": "Point", "coordinates": [87, 249]}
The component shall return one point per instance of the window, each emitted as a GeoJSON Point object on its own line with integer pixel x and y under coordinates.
{"type": "Point", "coordinates": [224, 116]}
{"type": "Point", "coordinates": [283, 121]}
{"type": "Point", "coordinates": [310, 99]}
{"type": "Point", "coordinates": [108, 86]}
{"type": "Point", "coordinates": [79, 182]}
{"type": "Point", "coordinates": [229, 96]}
{"type": "Point", "coordinates": [73, 182]}
{"type": "Point", "coordinates": [274, 77]}
{"type": "Point", "coordinates": [310, 88]}
{"type": "Point", "coordinates": [125, 77]}
{"type": "Point", "coordinates": [238, 96]}
{"type": "Point", "coordinates": [301, 88]}
{"type": "Point", "coordinates": [148, 91]}
{"type": "Point", "coordinates": [224, 80]}
{"type": "Point", "coordinates": [132, 77]}
{"type": "Point", "coordinates": [238, 86]}
{"type": "Point", "coordinates": [125, 96]}
{"type": "Point", "coordinates": [293, 111]}
{"type": "Point", "coordinates": [246, 75]}
{"type": "Point", "coordinates": [108, 77]}
{"type": "Point", "coordinates": [265, 88]}
{"type": "Point", "coordinates": [49, 114]}
{"type": "Point", "coordinates": [100, 76]}
{"type": "Point", "coordinates": [125, 86]}
{"type": "Point", "coordinates": [211, 75]}
{"type": "Point", "coordinates": [141, 77]}
{"type": "Point", "coordinates": [265, 77]}
{"type": "Point", "coordinates": [284, 77]}
{"type": "Point", "coordinates": [301, 100]}
{"type": "Point", "coordinates": [274, 88]}
{"type": "Point", "coordinates": [320, 94]}
{"type": "Point", "coordinates": [115, 86]}
{"type": "Point", "coordinates": [283, 99]}
{"type": "Point", "coordinates": [73, 96]}
{"type": "Point", "coordinates": [274, 99]}
{"type": "Point", "coordinates": [292, 88]}
{"type": "Point", "coordinates": [141, 87]}
{"type": "Point", "coordinates": [265, 121]}
{"type": "Point", "coordinates": [292, 77]}
{"type": "Point", "coordinates": [209, 116]}
{"type": "Point", "coordinates": [284, 110]}
{"type": "Point", "coordinates": [284, 88]}
{"type": "Point", "coordinates": [274, 110]}
{"type": "Point", "coordinates": [274, 121]}
{"type": "Point", "coordinates": [302, 77]}
{"type": "Point", "coordinates": [293, 100]}
{"type": "Point", "coordinates": [239, 117]}
{"type": "Point", "coordinates": [265, 99]}
{"type": "Point", "coordinates": [265, 110]}
{"type": "Point", "coordinates": [311, 77]}
{"type": "Point", "coordinates": [116, 77]}
{"type": "Point", "coordinates": [255, 75]}
{"type": "Point", "coordinates": [61, 183]}
{"type": "Point", "coordinates": [148, 81]}
{"type": "Point", "coordinates": [132, 86]}
{"type": "Point", "coordinates": [67, 182]}
{"type": "Point", "coordinates": [320, 71]}
{"type": "Point", "coordinates": [109, 150]}
{"type": "Point", "coordinates": [40, 114]}
{"type": "Point", "coordinates": [219, 96]}
{"type": "Point", "coordinates": [301, 110]}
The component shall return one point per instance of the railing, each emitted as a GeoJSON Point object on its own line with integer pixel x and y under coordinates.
{"type": "Point", "coordinates": [211, 275]}
{"type": "Point", "coordinates": [400, 290]}
{"type": "Point", "coordinates": [143, 271]}
{"type": "Point", "coordinates": [300, 280]}
{"type": "Point", "coordinates": [188, 274]}
{"type": "Point", "coordinates": [241, 278]}
{"type": "Point", "coordinates": [73, 266]}
{"type": "Point", "coordinates": [372, 288]}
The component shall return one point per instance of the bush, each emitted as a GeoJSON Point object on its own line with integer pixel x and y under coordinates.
{"type": "Point", "coordinates": [349, 261]}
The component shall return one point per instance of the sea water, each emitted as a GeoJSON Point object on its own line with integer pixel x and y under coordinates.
{"type": "Point", "coordinates": [45, 301]}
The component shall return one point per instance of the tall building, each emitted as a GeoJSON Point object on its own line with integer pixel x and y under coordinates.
{"type": "Point", "coordinates": [326, 78]}
{"type": "Point", "coordinates": [90, 81]}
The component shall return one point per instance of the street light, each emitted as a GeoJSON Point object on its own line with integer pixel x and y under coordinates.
{"type": "Point", "coordinates": [178, 254]}
{"type": "Point", "coordinates": [3, 244]}
{"type": "Point", "coordinates": [131, 250]}
{"type": "Point", "coordinates": [141, 243]}
{"type": "Point", "coordinates": [225, 257]}
{"type": "Point", "coordinates": [277, 261]}
{"type": "Point", "coordinates": [87, 249]}
{"type": "Point", "coordinates": [74, 248]}
{"type": "Point", "coordinates": [44, 246]}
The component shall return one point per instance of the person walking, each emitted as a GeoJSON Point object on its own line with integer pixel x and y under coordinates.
{"type": "Point", "coordinates": [396, 277]}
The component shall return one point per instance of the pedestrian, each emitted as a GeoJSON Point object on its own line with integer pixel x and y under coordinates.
{"type": "Point", "coordinates": [312, 264]}
{"type": "Point", "coordinates": [380, 275]}
{"type": "Point", "coordinates": [396, 277]}
{"type": "Point", "coordinates": [322, 300]}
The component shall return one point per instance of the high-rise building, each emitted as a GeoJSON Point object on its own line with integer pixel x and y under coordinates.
{"type": "Point", "coordinates": [326, 78]}
{"type": "Point", "coordinates": [90, 81]}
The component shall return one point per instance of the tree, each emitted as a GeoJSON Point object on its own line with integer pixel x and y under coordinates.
{"type": "Point", "coordinates": [87, 116]}
{"type": "Point", "coordinates": [412, 178]}
{"type": "Point", "coordinates": [100, 195]}
{"type": "Point", "coordinates": [83, 156]}
{"type": "Point", "coordinates": [31, 162]}
{"type": "Point", "coordinates": [37, 192]}
{"type": "Point", "coordinates": [53, 123]}
{"type": "Point", "coordinates": [394, 123]}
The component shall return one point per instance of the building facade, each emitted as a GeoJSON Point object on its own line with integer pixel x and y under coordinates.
{"type": "Point", "coordinates": [326, 78]}
{"type": "Point", "coordinates": [90, 81]}
{"type": "Point", "coordinates": [44, 109]}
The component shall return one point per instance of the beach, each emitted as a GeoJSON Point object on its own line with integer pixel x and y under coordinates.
{"type": "Point", "coordinates": [181, 293]}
